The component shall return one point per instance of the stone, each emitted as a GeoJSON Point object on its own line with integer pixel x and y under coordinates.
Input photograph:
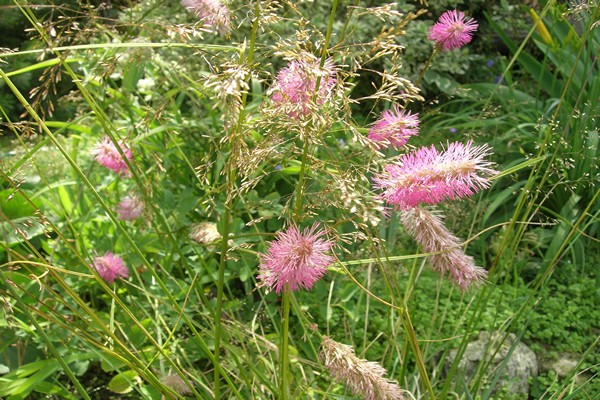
{"type": "Point", "coordinates": [490, 351]}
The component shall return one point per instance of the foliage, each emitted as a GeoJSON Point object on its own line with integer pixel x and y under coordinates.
{"type": "Point", "coordinates": [211, 150]}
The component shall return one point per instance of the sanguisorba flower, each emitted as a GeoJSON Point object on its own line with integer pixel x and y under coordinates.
{"type": "Point", "coordinates": [110, 267]}
{"type": "Point", "coordinates": [429, 231]}
{"type": "Point", "coordinates": [130, 208]}
{"type": "Point", "coordinates": [106, 154]}
{"type": "Point", "coordinates": [430, 176]}
{"type": "Point", "coordinates": [364, 378]}
{"type": "Point", "coordinates": [394, 128]}
{"type": "Point", "coordinates": [212, 13]}
{"type": "Point", "coordinates": [295, 259]}
{"type": "Point", "coordinates": [453, 30]}
{"type": "Point", "coordinates": [295, 90]}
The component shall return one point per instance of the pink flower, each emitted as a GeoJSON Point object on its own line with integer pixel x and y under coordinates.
{"type": "Point", "coordinates": [106, 153]}
{"type": "Point", "coordinates": [110, 267]}
{"type": "Point", "coordinates": [429, 176]}
{"type": "Point", "coordinates": [212, 13]}
{"type": "Point", "coordinates": [453, 30]}
{"type": "Point", "coordinates": [294, 91]}
{"type": "Point", "coordinates": [295, 260]}
{"type": "Point", "coordinates": [429, 231]}
{"type": "Point", "coordinates": [130, 208]}
{"type": "Point", "coordinates": [394, 128]}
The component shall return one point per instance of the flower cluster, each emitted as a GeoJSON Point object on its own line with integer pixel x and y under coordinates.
{"type": "Point", "coordinates": [130, 208]}
{"type": "Point", "coordinates": [430, 176]}
{"type": "Point", "coordinates": [364, 378]}
{"type": "Point", "coordinates": [110, 267]}
{"type": "Point", "coordinates": [295, 259]}
{"type": "Point", "coordinates": [394, 128]}
{"type": "Point", "coordinates": [107, 154]}
{"type": "Point", "coordinates": [212, 13]}
{"type": "Point", "coordinates": [303, 85]}
{"type": "Point", "coordinates": [453, 30]}
{"type": "Point", "coordinates": [429, 231]}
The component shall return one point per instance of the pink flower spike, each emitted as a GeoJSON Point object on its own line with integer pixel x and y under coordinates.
{"type": "Point", "coordinates": [110, 267]}
{"type": "Point", "coordinates": [295, 89]}
{"type": "Point", "coordinates": [453, 30]}
{"type": "Point", "coordinates": [394, 128]}
{"type": "Point", "coordinates": [130, 208]}
{"type": "Point", "coordinates": [106, 153]}
{"type": "Point", "coordinates": [295, 260]}
{"type": "Point", "coordinates": [429, 176]}
{"type": "Point", "coordinates": [212, 13]}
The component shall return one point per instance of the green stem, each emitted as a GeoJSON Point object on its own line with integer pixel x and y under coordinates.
{"type": "Point", "coordinates": [284, 347]}
{"type": "Point", "coordinates": [426, 66]}
{"type": "Point", "coordinates": [226, 227]}
{"type": "Point", "coordinates": [285, 315]}
{"type": "Point", "coordinates": [40, 331]}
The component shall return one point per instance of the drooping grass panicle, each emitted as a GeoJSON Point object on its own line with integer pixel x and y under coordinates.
{"type": "Point", "coordinates": [364, 378]}
{"type": "Point", "coordinates": [429, 231]}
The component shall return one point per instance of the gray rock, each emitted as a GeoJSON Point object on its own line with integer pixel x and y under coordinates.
{"type": "Point", "coordinates": [490, 351]}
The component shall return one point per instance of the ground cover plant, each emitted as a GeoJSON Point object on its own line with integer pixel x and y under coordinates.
{"type": "Point", "coordinates": [290, 200]}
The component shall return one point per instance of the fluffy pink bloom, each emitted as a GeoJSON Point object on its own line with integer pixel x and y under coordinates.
{"type": "Point", "coordinates": [430, 176]}
{"type": "Point", "coordinates": [106, 153]}
{"type": "Point", "coordinates": [453, 30]}
{"type": "Point", "coordinates": [212, 13]}
{"type": "Point", "coordinates": [429, 231]}
{"type": "Point", "coordinates": [295, 259]}
{"type": "Point", "coordinates": [130, 208]}
{"type": "Point", "coordinates": [394, 128]}
{"type": "Point", "coordinates": [295, 89]}
{"type": "Point", "coordinates": [110, 267]}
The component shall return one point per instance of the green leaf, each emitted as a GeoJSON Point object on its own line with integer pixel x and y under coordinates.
{"type": "Point", "coordinates": [123, 382]}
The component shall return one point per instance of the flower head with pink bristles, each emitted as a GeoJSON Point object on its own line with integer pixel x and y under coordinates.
{"type": "Point", "coordinates": [295, 91]}
{"type": "Point", "coordinates": [295, 259]}
{"type": "Point", "coordinates": [110, 267]}
{"type": "Point", "coordinates": [430, 176]}
{"type": "Point", "coordinates": [394, 128]}
{"type": "Point", "coordinates": [453, 30]}
{"type": "Point", "coordinates": [106, 154]}
{"type": "Point", "coordinates": [130, 208]}
{"type": "Point", "coordinates": [212, 13]}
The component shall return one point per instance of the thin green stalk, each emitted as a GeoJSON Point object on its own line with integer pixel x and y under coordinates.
{"type": "Point", "coordinates": [284, 347]}
{"type": "Point", "coordinates": [41, 331]}
{"type": "Point", "coordinates": [285, 315]}
{"type": "Point", "coordinates": [226, 227]}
